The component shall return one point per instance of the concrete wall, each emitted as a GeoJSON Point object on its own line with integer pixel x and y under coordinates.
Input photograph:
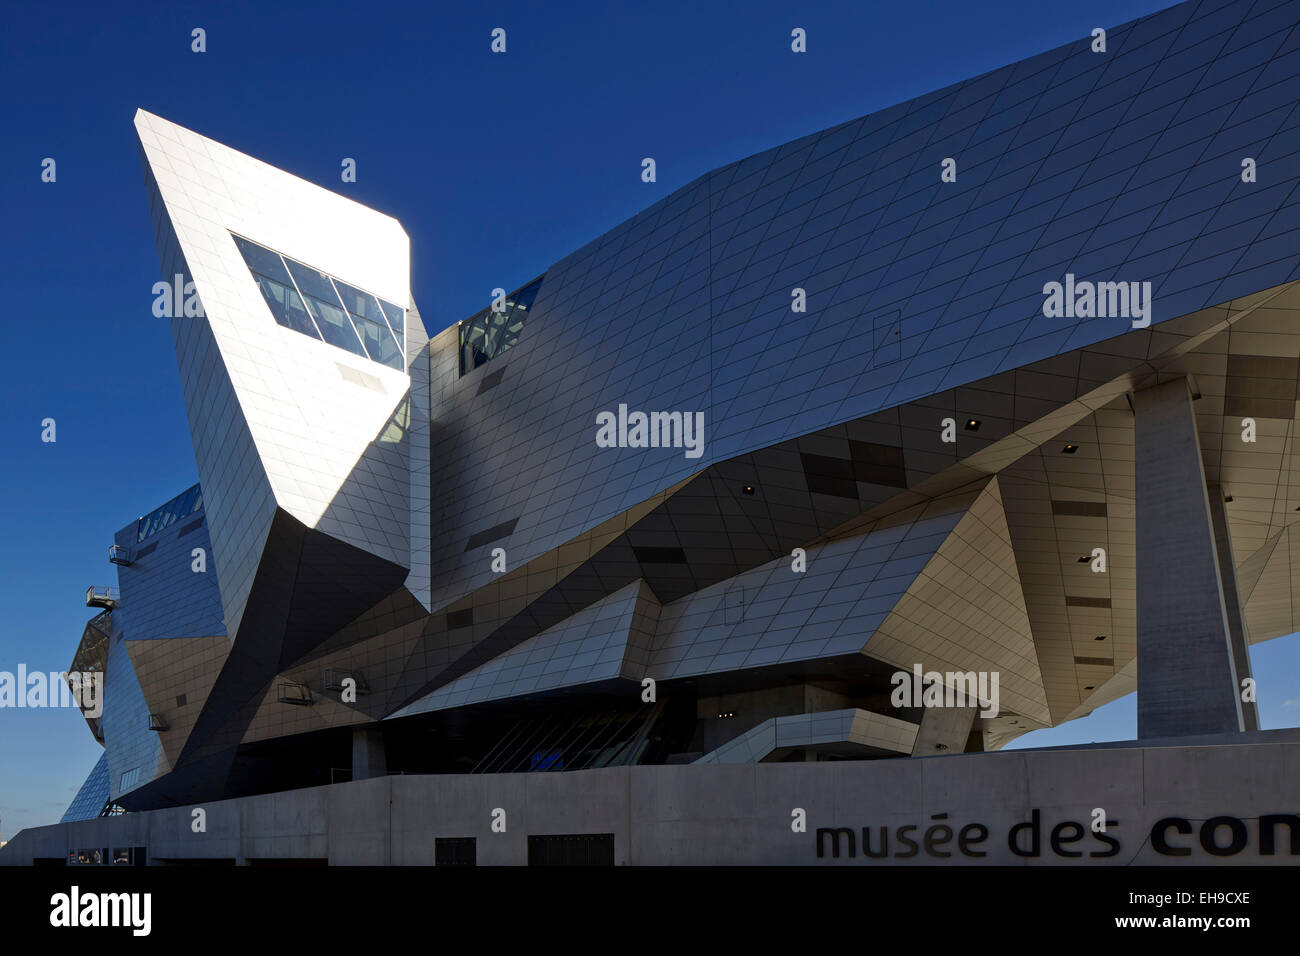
{"type": "Point", "coordinates": [741, 814]}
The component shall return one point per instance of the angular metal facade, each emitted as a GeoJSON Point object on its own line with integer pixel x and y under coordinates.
{"type": "Point", "coordinates": [457, 541]}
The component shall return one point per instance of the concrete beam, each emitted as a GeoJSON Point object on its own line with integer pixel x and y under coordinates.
{"type": "Point", "coordinates": [1186, 673]}
{"type": "Point", "coordinates": [944, 730]}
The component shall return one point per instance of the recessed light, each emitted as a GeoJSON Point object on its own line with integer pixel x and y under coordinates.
{"type": "Point", "coordinates": [1100, 637]}
{"type": "Point", "coordinates": [1089, 687]}
{"type": "Point", "coordinates": [972, 424]}
{"type": "Point", "coordinates": [1069, 449]}
{"type": "Point", "coordinates": [748, 489]}
{"type": "Point", "coordinates": [1085, 559]}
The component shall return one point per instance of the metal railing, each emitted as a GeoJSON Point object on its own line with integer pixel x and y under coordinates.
{"type": "Point", "coordinates": [107, 597]}
{"type": "Point", "coordinates": [291, 692]}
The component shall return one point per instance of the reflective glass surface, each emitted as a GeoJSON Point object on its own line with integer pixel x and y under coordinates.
{"type": "Point", "coordinates": [488, 334]}
{"type": "Point", "coordinates": [323, 303]}
{"type": "Point", "coordinates": [312, 282]}
{"type": "Point", "coordinates": [360, 303]}
{"type": "Point", "coordinates": [381, 343]}
{"type": "Point", "coordinates": [335, 326]}
{"type": "Point", "coordinates": [286, 307]}
{"type": "Point", "coordinates": [263, 261]}
{"type": "Point", "coordinates": [186, 503]}
{"type": "Point", "coordinates": [92, 796]}
{"type": "Point", "coordinates": [396, 320]}
{"type": "Point", "coordinates": [316, 304]}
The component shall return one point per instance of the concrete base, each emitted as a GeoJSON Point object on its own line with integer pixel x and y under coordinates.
{"type": "Point", "coordinates": [1214, 802]}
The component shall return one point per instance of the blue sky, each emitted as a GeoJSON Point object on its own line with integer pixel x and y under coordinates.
{"type": "Point", "coordinates": [496, 165]}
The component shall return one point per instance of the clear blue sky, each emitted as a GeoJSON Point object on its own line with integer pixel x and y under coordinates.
{"type": "Point", "coordinates": [496, 165]}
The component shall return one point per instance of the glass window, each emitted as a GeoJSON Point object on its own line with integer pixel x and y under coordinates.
{"type": "Point", "coordinates": [359, 303]}
{"type": "Point", "coordinates": [335, 326]}
{"type": "Point", "coordinates": [324, 306]}
{"type": "Point", "coordinates": [488, 334]}
{"type": "Point", "coordinates": [380, 343]}
{"type": "Point", "coordinates": [473, 350]}
{"type": "Point", "coordinates": [396, 316]}
{"type": "Point", "coordinates": [313, 303]}
{"type": "Point", "coordinates": [286, 307]}
{"type": "Point", "coordinates": [186, 503]}
{"type": "Point", "coordinates": [527, 294]}
{"type": "Point", "coordinates": [370, 322]}
{"type": "Point", "coordinates": [495, 323]}
{"type": "Point", "coordinates": [312, 282]}
{"type": "Point", "coordinates": [263, 261]}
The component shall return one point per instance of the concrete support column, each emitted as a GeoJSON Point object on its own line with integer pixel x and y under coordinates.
{"type": "Point", "coordinates": [368, 757]}
{"type": "Point", "coordinates": [1238, 636]}
{"type": "Point", "coordinates": [1186, 675]}
{"type": "Point", "coordinates": [944, 730]}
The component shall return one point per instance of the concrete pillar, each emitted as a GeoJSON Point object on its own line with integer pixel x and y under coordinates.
{"type": "Point", "coordinates": [1186, 675]}
{"type": "Point", "coordinates": [1238, 635]}
{"type": "Point", "coordinates": [944, 730]}
{"type": "Point", "coordinates": [368, 758]}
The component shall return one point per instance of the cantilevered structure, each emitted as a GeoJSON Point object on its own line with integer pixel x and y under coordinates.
{"type": "Point", "coordinates": [413, 554]}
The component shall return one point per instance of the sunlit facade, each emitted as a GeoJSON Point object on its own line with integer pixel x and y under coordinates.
{"type": "Point", "coordinates": [410, 554]}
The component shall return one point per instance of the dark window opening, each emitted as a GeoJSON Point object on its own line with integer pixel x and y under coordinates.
{"type": "Point", "coordinates": [571, 849]}
{"type": "Point", "coordinates": [494, 533]}
{"type": "Point", "coordinates": [491, 332]}
{"type": "Point", "coordinates": [192, 526]}
{"type": "Point", "coordinates": [646, 555]}
{"type": "Point", "coordinates": [455, 851]}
